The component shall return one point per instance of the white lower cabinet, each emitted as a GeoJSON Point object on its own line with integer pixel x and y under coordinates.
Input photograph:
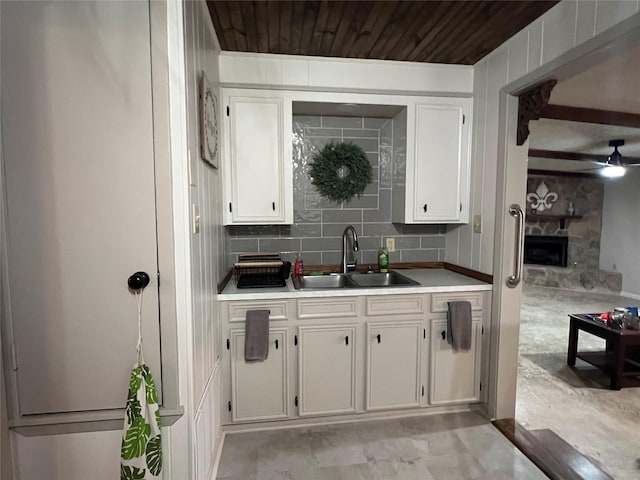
{"type": "Point", "coordinates": [326, 370]}
{"type": "Point", "coordinates": [259, 390]}
{"type": "Point", "coordinates": [393, 367]}
{"type": "Point", "coordinates": [350, 355]}
{"type": "Point", "coordinates": [454, 376]}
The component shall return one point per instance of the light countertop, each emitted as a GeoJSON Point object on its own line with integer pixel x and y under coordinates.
{"type": "Point", "coordinates": [431, 281]}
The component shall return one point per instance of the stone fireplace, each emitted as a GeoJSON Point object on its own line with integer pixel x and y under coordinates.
{"type": "Point", "coordinates": [566, 252]}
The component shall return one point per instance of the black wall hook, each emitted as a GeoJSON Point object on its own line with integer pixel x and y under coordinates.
{"type": "Point", "coordinates": [138, 280]}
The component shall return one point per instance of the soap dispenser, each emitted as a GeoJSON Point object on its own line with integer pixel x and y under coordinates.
{"type": "Point", "coordinates": [383, 260]}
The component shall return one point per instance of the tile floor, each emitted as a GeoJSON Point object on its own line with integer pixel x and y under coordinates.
{"type": "Point", "coordinates": [600, 423]}
{"type": "Point", "coordinates": [438, 447]}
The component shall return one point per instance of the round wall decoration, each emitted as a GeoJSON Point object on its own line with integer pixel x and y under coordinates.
{"type": "Point", "coordinates": [208, 122]}
{"type": "Point", "coordinates": [340, 171]}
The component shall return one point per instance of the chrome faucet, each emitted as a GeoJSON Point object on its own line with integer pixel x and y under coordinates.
{"type": "Point", "coordinates": [345, 266]}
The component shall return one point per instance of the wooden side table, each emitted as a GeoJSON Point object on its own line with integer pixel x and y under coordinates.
{"type": "Point", "coordinates": [614, 358]}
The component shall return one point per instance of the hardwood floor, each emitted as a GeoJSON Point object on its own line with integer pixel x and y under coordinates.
{"type": "Point", "coordinates": [550, 453]}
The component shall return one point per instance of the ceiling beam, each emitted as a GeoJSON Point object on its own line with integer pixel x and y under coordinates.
{"type": "Point", "coordinates": [580, 157]}
{"type": "Point", "coordinates": [559, 155]}
{"type": "Point", "coordinates": [556, 173]}
{"type": "Point", "coordinates": [591, 115]}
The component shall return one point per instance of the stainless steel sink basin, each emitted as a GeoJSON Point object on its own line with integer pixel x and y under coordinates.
{"type": "Point", "coordinates": [335, 280]}
{"type": "Point", "coordinates": [389, 279]}
{"type": "Point", "coordinates": [352, 280]}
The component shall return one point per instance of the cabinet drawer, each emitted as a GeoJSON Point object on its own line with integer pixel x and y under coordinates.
{"type": "Point", "coordinates": [279, 310]}
{"type": "Point", "coordinates": [328, 308]}
{"type": "Point", "coordinates": [395, 305]}
{"type": "Point", "coordinates": [439, 300]}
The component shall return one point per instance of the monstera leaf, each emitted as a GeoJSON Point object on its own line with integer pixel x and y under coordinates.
{"type": "Point", "coordinates": [154, 455]}
{"type": "Point", "coordinates": [131, 473]}
{"type": "Point", "coordinates": [133, 445]}
{"type": "Point", "coordinates": [134, 382]}
{"type": "Point", "coordinates": [134, 409]}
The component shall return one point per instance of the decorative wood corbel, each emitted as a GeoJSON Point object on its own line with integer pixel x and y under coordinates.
{"type": "Point", "coordinates": [530, 104]}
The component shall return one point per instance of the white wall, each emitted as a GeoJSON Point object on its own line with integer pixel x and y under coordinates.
{"type": "Point", "coordinates": [619, 247]}
{"type": "Point", "coordinates": [207, 247]}
{"type": "Point", "coordinates": [297, 72]}
{"type": "Point", "coordinates": [6, 462]}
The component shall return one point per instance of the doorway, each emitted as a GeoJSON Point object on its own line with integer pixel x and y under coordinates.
{"type": "Point", "coordinates": [596, 215]}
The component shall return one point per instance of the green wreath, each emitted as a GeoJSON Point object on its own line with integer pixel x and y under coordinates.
{"type": "Point", "coordinates": [340, 171]}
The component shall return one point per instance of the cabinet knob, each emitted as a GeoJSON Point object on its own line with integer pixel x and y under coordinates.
{"type": "Point", "coordinates": [444, 334]}
{"type": "Point", "coordinates": [424, 207]}
{"type": "Point", "coordinates": [273, 205]}
{"type": "Point", "coordinates": [276, 344]}
{"type": "Point", "coordinates": [379, 338]}
{"type": "Point", "coordinates": [346, 340]}
{"type": "Point", "coordinates": [138, 280]}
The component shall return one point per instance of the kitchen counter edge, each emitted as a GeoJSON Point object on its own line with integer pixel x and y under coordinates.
{"type": "Point", "coordinates": [431, 281]}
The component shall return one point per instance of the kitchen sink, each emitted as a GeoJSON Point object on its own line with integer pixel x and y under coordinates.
{"type": "Point", "coordinates": [389, 279]}
{"type": "Point", "coordinates": [352, 280]}
{"type": "Point", "coordinates": [334, 280]}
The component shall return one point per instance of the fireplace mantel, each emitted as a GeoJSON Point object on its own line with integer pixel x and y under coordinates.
{"type": "Point", "coordinates": [552, 218]}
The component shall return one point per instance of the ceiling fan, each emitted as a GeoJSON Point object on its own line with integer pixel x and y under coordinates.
{"type": "Point", "coordinates": [614, 166]}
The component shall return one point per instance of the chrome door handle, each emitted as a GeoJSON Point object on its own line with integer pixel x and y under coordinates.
{"type": "Point", "coordinates": [516, 212]}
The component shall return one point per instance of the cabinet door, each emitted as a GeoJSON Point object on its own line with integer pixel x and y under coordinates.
{"type": "Point", "coordinates": [327, 370]}
{"type": "Point", "coordinates": [259, 390]}
{"type": "Point", "coordinates": [78, 153]}
{"type": "Point", "coordinates": [259, 189]}
{"type": "Point", "coordinates": [455, 376]}
{"type": "Point", "coordinates": [441, 161]}
{"type": "Point", "coordinates": [393, 370]}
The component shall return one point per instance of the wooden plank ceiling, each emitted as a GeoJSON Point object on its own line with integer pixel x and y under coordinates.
{"type": "Point", "coordinates": [455, 32]}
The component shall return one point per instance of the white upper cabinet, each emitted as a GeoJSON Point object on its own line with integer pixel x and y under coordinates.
{"type": "Point", "coordinates": [257, 157]}
{"type": "Point", "coordinates": [432, 185]}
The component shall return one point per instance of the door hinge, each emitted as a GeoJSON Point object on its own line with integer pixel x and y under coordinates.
{"type": "Point", "coordinates": [228, 111]}
{"type": "Point", "coordinates": [229, 406]}
{"type": "Point", "coordinates": [228, 344]}
{"type": "Point", "coordinates": [14, 357]}
{"type": "Point", "coordinates": [230, 209]}
{"type": "Point", "coordinates": [295, 339]}
{"type": "Point", "coordinates": [295, 401]}
{"type": "Point", "coordinates": [423, 390]}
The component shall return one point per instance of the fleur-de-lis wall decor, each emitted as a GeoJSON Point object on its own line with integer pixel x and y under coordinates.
{"type": "Point", "coordinates": [542, 199]}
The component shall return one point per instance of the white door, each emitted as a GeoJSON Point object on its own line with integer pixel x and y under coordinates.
{"type": "Point", "coordinates": [78, 153]}
{"type": "Point", "coordinates": [259, 390]}
{"type": "Point", "coordinates": [257, 156]}
{"type": "Point", "coordinates": [440, 146]}
{"type": "Point", "coordinates": [393, 369]}
{"type": "Point", "coordinates": [507, 299]}
{"type": "Point", "coordinates": [454, 376]}
{"type": "Point", "coordinates": [326, 370]}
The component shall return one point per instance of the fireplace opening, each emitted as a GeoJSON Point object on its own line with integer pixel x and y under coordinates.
{"type": "Point", "coordinates": [546, 250]}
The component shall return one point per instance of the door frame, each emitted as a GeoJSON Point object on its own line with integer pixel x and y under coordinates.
{"type": "Point", "coordinates": [511, 188]}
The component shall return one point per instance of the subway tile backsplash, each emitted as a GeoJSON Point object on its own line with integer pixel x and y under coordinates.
{"type": "Point", "coordinates": [319, 223]}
